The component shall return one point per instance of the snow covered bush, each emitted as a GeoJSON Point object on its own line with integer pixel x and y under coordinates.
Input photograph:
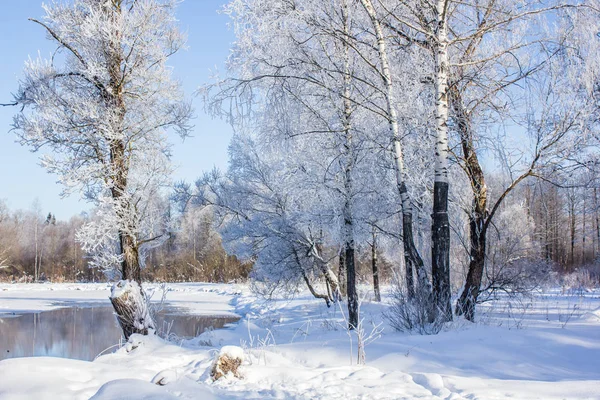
{"type": "Point", "coordinates": [513, 265]}
{"type": "Point", "coordinates": [412, 313]}
{"type": "Point", "coordinates": [580, 280]}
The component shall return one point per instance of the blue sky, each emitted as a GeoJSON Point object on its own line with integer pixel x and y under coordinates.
{"type": "Point", "coordinates": [22, 180]}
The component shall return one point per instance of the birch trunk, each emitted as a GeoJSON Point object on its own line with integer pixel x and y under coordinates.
{"type": "Point", "coordinates": [440, 227]}
{"type": "Point", "coordinates": [375, 268]}
{"type": "Point", "coordinates": [322, 265]}
{"type": "Point", "coordinates": [412, 257]}
{"type": "Point", "coordinates": [342, 270]}
{"type": "Point", "coordinates": [327, 297]}
{"type": "Point", "coordinates": [572, 217]}
{"type": "Point", "coordinates": [597, 220]}
{"type": "Point", "coordinates": [316, 294]}
{"type": "Point", "coordinates": [583, 258]}
{"type": "Point", "coordinates": [351, 292]}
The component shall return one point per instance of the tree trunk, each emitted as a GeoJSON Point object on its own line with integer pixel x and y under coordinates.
{"type": "Point", "coordinates": [440, 227]}
{"type": "Point", "coordinates": [468, 299]}
{"type": "Point", "coordinates": [477, 218]}
{"type": "Point", "coordinates": [342, 271]}
{"type": "Point", "coordinates": [412, 259]}
{"type": "Point", "coordinates": [328, 297]}
{"type": "Point", "coordinates": [375, 268]}
{"type": "Point", "coordinates": [130, 266]}
{"type": "Point", "coordinates": [323, 267]}
{"type": "Point", "coordinates": [547, 235]}
{"type": "Point", "coordinates": [411, 255]}
{"type": "Point", "coordinates": [597, 218]}
{"type": "Point", "coordinates": [347, 212]}
{"type": "Point", "coordinates": [351, 288]}
{"type": "Point", "coordinates": [128, 298]}
{"type": "Point", "coordinates": [572, 216]}
{"type": "Point", "coordinates": [440, 251]}
{"type": "Point", "coordinates": [131, 306]}
{"type": "Point", "coordinates": [583, 258]}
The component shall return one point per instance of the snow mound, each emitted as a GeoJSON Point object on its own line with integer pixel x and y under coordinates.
{"type": "Point", "coordinates": [232, 352]}
{"type": "Point", "coordinates": [592, 316]}
{"type": "Point", "coordinates": [165, 377]}
{"type": "Point", "coordinates": [132, 389]}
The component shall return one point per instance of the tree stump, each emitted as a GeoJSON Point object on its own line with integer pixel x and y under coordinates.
{"type": "Point", "coordinates": [131, 308]}
{"type": "Point", "coordinates": [229, 360]}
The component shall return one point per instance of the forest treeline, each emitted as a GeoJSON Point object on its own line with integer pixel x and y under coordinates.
{"type": "Point", "coordinates": [554, 232]}
{"type": "Point", "coordinates": [35, 246]}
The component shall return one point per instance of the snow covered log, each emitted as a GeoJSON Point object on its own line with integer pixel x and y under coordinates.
{"type": "Point", "coordinates": [228, 361]}
{"type": "Point", "coordinates": [131, 308]}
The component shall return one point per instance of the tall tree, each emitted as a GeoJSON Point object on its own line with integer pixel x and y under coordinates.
{"type": "Point", "coordinates": [103, 109]}
{"type": "Point", "coordinates": [412, 258]}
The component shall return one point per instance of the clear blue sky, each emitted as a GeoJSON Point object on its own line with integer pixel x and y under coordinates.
{"type": "Point", "coordinates": [22, 180]}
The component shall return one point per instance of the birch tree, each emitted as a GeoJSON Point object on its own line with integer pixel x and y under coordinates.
{"type": "Point", "coordinates": [102, 108]}
{"type": "Point", "coordinates": [426, 23]}
{"type": "Point", "coordinates": [467, 42]}
{"type": "Point", "coordinates": [413, 260]}
{"type": "Point", "coordinates": [319, 57]}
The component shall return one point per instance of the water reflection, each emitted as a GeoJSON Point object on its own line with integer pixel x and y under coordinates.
{"type": "Point", "coordinates": [82, 333]}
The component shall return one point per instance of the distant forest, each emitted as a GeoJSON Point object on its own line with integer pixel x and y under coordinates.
{"type": "Point", "coordinates": [37, 246]}
{"type": "Point", "coordinates": [554, 230]}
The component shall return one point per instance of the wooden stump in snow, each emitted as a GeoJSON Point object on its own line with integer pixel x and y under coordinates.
{"type": "Point", "coordinates": [229, 360]}
{"type": "Point", "coordinates": [131, 308]}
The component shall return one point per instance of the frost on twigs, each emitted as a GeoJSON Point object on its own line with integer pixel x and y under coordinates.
{"type": "Point", "coordinates": [131, 307]}
{"type": "Point", "coordinates": [227, 363]}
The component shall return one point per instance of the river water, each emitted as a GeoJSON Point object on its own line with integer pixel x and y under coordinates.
{"type": "Point", "coordinates": [84, 332]}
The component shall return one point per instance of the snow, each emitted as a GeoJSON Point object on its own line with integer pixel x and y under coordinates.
{"type": "Point", "coordinates": [546, 347]}
{"type": "Point", "coordinates": [233, 352]}
{"type": "Point", "coordinates": [122, 287]}
{"type": "Point", "coordinates": [198, 298]}
{"type": "Point", "coordinates": [592, 316]}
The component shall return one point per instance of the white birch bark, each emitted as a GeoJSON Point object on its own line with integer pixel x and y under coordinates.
{"type": "Point", "coordinates": [441, 93]}
{"type": "Point", "coordinates": [411, 253]}
{"type": "Point", "coordinates": [440, 228]}
{"type": "Point", "coordinates": [347, 210]}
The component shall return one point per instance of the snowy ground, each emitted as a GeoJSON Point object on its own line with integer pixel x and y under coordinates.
{"type": "Point", "coordinates": [546, 348]}
{"type": "Point", "coordinates": [199, 298]}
